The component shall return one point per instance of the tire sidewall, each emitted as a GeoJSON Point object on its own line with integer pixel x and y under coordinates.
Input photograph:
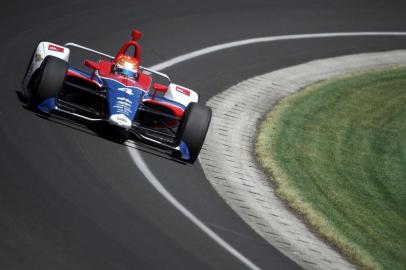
{"type": "Point", "coordinates": [49, 80]}
{"type": "Point", "coordinates": [194, 128]}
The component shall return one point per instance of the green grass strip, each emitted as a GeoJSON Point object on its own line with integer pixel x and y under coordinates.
{"type": "Point", "coordinates": [337, 151]}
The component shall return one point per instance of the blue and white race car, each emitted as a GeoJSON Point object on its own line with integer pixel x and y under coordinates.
{"type": "Point", "coordinates": [119, 92]}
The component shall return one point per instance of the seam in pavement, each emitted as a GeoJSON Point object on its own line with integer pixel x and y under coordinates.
{"type": "Point", "coordinates": [228, 160]}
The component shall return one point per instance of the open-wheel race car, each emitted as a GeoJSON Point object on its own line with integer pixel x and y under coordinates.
{"type": "Point", "coordinates": [119, 92]}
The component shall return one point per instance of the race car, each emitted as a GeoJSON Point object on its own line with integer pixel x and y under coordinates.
{"type": "Point", "coordinates": [134, 101]}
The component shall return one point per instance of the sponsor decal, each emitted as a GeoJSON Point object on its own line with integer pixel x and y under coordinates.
{"type": "Point", "coordinates": [123, 105]}
{"type": "Point", "coordinates": [128, 91]}
{"type": "Point", "coordinates": [121, 118]}
{"type": "Point", "coordinates": [183, 90]}
{"type": "Point", "coordinates": [122, 110]}
{"type": "Point", "coordinates": [55, 48]}
{"type": "Point", "coordinates": [124, 100]}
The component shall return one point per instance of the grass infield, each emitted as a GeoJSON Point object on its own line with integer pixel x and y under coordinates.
{"type": "Point", "coordinates": [337, 151]}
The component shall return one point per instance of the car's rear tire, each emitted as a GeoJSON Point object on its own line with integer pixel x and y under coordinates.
{"type": "Point", "coordinates": [194, 127]}
{"type": "Point", "coordinates": [48, 81]}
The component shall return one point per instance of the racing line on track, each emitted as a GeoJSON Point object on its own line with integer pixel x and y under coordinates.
{"type": "Point", "coordinates": [143, 167]}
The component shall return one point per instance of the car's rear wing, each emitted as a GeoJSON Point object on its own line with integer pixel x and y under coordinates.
{"type": "Point", "coordinates": [71, 44]}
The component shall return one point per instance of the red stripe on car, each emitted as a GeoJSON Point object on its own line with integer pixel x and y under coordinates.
{"type": "Point", "coordinates": [183, 90]}
{"type": "Point", "coordinates": [55, 48]}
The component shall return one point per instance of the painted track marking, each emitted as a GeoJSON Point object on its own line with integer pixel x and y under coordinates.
{"type": "Point", "coordinates": [219, 47]}
{"type": "Point", "coordinates": [143, 167]}
{"type": "Point", "coordinates": [139, 161]}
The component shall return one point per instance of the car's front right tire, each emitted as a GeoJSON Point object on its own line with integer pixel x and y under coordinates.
{"type": "Point", "coordinates": [194, 127]}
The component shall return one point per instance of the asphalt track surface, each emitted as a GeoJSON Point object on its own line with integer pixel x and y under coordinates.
{"type": "Point", "coordinates": [70, 199]}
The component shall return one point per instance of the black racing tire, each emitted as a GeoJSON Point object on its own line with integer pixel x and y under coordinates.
{"type": "Point", "coordinates": [194, 127]}
{"type": "Point", "coordinates": [49, 80]}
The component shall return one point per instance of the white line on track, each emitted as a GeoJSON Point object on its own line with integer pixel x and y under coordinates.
{"type": "Point", "coordinates": [233, 44]}
{"type": "Point", "coordinates": [143, 167]}
{"type": "Point", "coordinates": [164, 192]}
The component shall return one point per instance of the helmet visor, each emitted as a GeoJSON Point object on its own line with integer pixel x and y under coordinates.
{"type": "Point", "coordinates": [126, 72]}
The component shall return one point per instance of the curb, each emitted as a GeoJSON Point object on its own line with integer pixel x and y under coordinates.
{"type": "Point", "coordinates": [228, 160]}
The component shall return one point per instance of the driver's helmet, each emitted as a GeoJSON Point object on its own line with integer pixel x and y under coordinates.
{"type": "Point", "coordinates": [127, 65]}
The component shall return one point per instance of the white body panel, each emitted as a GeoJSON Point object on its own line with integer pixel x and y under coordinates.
{"type": "Point", "coordinates": [181, 94]}
{"type": "Point", "coordinates": [44, 49]}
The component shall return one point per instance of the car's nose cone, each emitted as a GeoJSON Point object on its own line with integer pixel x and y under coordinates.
{"type": "Point", "coordinates": [120, 120]}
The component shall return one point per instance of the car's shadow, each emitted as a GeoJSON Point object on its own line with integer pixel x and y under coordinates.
{"type": "Point", "coordinates": [102, 130]}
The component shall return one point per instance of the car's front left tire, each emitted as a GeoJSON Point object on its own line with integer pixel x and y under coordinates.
{"type": "Point", "coordinates": [48, 82]}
